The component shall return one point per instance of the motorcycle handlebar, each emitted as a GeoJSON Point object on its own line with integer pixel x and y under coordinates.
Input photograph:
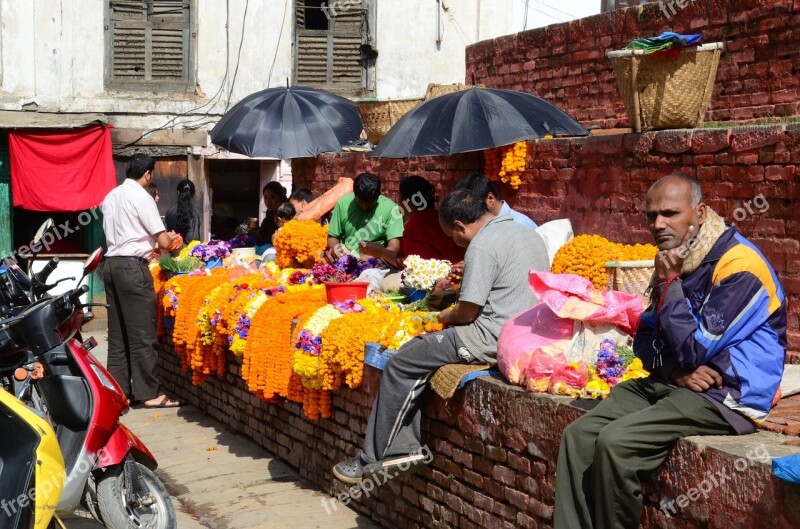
{"type": "Point", "coordinates": [41, 276]}
{"type": "Point", "coordinates": [76, 294]}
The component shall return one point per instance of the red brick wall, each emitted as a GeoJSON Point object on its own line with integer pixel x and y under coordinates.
{"type": "Point", "coordinates": [495, 448]}
{"type": "Point", "coordinates": [321, 173]}
{"type": "Point", "coordinates": [599, 183]}
{"type": "Point", "coordinates": [566, 63]}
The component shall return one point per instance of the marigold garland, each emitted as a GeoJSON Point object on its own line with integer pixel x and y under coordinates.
{"type": "Point", "coordinates": [252, 314]}
{"type": "Point", "coordinates": [300, 243]}
{"type": "Point", "coordinates": [343, 341]}
{"type": "Point", "coordinates": [196, 356]}
{"type": "Point", "coordinates": [268, 354]}
{"type": "Point", "coordinates": [507, 164]}
{"type": "Point", "coordinates": [587, 255]}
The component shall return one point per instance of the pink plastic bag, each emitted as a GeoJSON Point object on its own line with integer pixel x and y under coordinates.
{"type": "Point", "coordinates": [569, 379]}
{"type": "Point", "coordinates": [533, 331]}
{"type": "Point", "coordinates": [536, 340]}
{"type": "Point", "coordinates": [574, 297]}
{"type": "Point", "coordinates": [540, 368]}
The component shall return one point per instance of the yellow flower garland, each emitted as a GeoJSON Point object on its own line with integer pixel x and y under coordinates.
{"type": "Point", "coordinates": [507, 164]}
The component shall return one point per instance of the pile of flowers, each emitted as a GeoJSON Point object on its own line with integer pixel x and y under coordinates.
{"type": "Point", "coordinates": [507, 164]}
{"type": "Point", "coordinates": [587, 255]}
{"type": "Point", "coordinates": [184, 253]}
{"type": "Point", "coordinates": [244, 240]}
{"type": "Point", "coordinates": [300, 243]}
{"type": "Point", "coordinates": [293, 345]}
{"type": "Point", "coordinates": [614, 364]}
{"type": "Point", "coordinates": [345, 269]}
{"type": "Point", "coordinates": [403, 326]}
{"type": "Point", "coordinates": [214, 249]}
{"type": "Point", "coordinates": [423, 274]}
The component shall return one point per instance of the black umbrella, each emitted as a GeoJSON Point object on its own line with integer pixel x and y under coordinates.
{"type": "Point", "coordinates": [473, 120]}
{"type": "Point", "coordinates": [288, 122]}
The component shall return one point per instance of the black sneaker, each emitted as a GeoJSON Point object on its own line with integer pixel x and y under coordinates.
{"type": "Point", "coordinates": [350, 471]}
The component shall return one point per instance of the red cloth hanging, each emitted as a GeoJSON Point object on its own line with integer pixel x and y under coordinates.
{"type": "Point", "coordinates": [61, 170]}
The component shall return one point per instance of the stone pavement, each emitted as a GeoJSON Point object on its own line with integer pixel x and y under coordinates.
{"type": "Point", "coordinates": [221, 480]}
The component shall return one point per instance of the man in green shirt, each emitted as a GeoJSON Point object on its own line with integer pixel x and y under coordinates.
{"type": "Point", "coordinates": [364, 215]}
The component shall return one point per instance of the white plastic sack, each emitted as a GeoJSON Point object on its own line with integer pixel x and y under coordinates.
{"type": "Point", "coordinates": [374, 276]}
{"type": "Point", "coordinates": [556, 234]}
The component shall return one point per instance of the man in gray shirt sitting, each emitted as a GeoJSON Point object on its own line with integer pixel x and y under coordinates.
{"type": "Point", "coordinates": [500, 253]}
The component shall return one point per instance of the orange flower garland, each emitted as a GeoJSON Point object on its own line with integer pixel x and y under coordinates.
{"type": "Point", "coordinates": [196, 356]}
{"type": "Point", "coordinates": [587, 255]}
{"type": "Point", "coordinates": [267, 366]}
{"type": "Point", "coordinates": [507, 164]}
{"type": "Point", "coordinates": [300, 243]}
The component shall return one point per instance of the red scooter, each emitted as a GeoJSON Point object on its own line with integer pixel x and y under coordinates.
{"type": "Point", "coordinates": [108, 469]}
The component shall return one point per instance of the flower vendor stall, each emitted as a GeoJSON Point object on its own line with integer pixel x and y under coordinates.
{"type": "Point", "coordinates": [276, 317]}
{"type": "Point", "coordinates": [297, 342]}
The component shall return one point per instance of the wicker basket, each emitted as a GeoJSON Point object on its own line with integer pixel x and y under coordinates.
{"type": "Point", "coordinates": [436, 90]}
{"type": "Point", "coordinates": [379, 116]}
{"type": "Point", "coordinates": [631, 277]}
{"type": "Point", "coordinates": [666, 92]}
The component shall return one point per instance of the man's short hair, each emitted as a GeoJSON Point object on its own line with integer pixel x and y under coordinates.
{"type": "Point", "coordinates": [138, 165]}
{"type": "Point", "coordinates": [694, 184]}
{"type": "Point", "coordinates": [367, 187]}
{"type": "Point", "coordinates": [463, 206]}
{"type": "Point", "coordinates": [302, 194]}
{"type": "Point", "coordinates": [275, 187]}
{"type": "Point", "coordinates": [478, 184]}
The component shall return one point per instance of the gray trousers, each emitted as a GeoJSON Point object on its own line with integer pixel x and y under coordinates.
{"type": "Point", "coordinates": [132, 341]}
{"type": "Point", "coordinates": [394, 427]}
{"type": "Point", "coordinates": [605, 454]}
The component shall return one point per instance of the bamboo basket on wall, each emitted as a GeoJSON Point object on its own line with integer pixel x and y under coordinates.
{"type": "Point", "coordinates": [666, 92]}
{"type": "Point", "coordinates": [379, 116]}
{"type": "Point", "coordinates": [436, 90]}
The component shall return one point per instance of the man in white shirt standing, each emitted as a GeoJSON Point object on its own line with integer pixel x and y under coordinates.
{"type": "Point", "coordinates": [133, 228]}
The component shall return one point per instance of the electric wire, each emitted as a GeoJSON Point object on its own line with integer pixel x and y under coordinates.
{"type": "Point", "coordinates": [211, 101]}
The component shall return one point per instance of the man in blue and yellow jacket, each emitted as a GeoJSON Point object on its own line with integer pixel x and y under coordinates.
{"type": "Point", "coordinates": [714, 341]}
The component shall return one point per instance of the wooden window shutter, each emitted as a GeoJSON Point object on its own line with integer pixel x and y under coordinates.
{"type": "Point", "coordinates": [347, 70]}
{"type": "Point", "coordinates": [330, 57]}
{"type": "Point", "coordinates": [150, 43]}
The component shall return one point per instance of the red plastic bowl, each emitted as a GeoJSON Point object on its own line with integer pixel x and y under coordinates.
{"type": "Point", "coordinates": [341, 292]}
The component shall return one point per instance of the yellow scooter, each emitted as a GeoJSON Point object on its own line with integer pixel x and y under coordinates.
{"type": "Point", "coordinates": [31, 468]}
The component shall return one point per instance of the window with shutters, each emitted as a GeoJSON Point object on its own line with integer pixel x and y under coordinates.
{"type": "Point", "coordinates": [150, 44]}
{"type": "Point", "coordinates": [333, 46]}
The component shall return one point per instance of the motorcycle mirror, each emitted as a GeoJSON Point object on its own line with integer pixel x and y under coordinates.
{"type": "Point", "coordinates": [91, 262]}
{"type": "Point", "coordinates": [44, 228]}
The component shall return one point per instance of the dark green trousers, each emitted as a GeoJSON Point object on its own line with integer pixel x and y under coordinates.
{"type": "Point", "coordinates": [605, 454]}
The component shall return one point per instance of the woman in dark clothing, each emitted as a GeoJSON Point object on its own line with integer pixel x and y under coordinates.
{"type": "Point", "coordinates": [182, 218]}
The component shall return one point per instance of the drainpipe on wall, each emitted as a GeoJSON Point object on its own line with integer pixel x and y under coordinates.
{"type": "Point", "coordinates": [525, 18]}
{"type": "Point", "coordinates": [439, 33]}
{"type": "Point", "coordinates": [478, 24]}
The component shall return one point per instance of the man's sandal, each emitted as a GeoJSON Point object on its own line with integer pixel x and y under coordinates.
{"type": "Point", "coordinates": [165, 402]}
